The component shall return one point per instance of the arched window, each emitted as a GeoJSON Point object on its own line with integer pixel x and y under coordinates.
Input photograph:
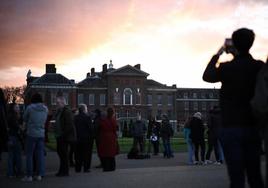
{"type": "Point", "coordinates": [127, 96]}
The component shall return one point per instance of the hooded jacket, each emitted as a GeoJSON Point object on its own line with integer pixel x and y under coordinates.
{"type": "Point", "coordinates": [35, 117]}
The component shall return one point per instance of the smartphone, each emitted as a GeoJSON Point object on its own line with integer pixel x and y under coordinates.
{"type": "Point", "coordinates": [229, 47]}
{"type": "Point", "coordinates": [228, 42]}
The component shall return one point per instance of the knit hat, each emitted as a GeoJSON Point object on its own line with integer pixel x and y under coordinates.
{"type": "Point", "coordinates": [198, 115]}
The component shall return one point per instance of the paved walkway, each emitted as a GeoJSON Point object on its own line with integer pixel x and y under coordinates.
{"type": "Point", "coordinates": [156, 172]}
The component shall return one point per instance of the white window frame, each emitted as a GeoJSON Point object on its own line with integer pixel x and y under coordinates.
{"type": "Point", "coordinates": [131, 96]}
{"type": "Point", "coordinates": [170, 100]}
{"type": "Point", "coordinates": [53, 98]}
{"type": "Point", "coordinates": [102, 95]}
{"type": "Point", "coordinates": [89, 101]}
{"type": "Point", "coordinates": [66, 96]}
{"type": "Point", "coordinates": [80, 98]}
{"type": "Point", "coordinates": [159, 98]}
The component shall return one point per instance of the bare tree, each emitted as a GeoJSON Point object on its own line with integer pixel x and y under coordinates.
{"type": "Point", "coordinates": [14, 94]}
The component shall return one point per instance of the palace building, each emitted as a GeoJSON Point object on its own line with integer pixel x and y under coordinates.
{"type": "Point", "coordinates": [127, 89]}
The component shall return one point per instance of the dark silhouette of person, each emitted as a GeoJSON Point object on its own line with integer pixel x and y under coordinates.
{"type": "Point", "coordinates": [64, 133]}
{"type": "Point", "coordinates": [138, 131]}
{"type": "Point", "coordinates": [82, 152]}
{"type": "Point", "coordinates": [108, 145]}
{"type": "Point", "coordinates": [197, 135]}
{"type": "Point", "coordinates": [239, 134]}
{"type": "Point", "coordinates": [3, 123]}
{"type": "Point", "coordinates": [72, 145]}
{"type": "Point", "coordinates": [214, 124]}
{"type": "Point", "coordinates": [153, 135]}
{"type": "Point", "coordinates": [95, 133]}
{"type": "Point", "coordinates": [166, 132]}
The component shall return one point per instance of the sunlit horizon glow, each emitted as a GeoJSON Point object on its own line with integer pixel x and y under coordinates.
{"type": "Point", "coordinates": [173, 40]}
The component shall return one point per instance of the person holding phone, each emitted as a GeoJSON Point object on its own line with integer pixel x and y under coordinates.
{"type": "Point", "coordinates": [239, 134]}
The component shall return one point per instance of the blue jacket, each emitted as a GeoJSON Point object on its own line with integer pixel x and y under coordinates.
{"type": "Point", "coordinates": [35, 117]}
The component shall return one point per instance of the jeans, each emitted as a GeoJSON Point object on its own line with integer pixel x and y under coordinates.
{"type": "Point", "coordinates": [221, 155]}
{"type": "Point", "coordinates": [35, 144]}
{"type": "Point", "coordinates": [14, 156]}
{"type": "Point", "coordinates": [167, 148]}
{"type": "Point", "coordinates": [242, 148]}
{"type": "Point", "coordinates": [190, 149]}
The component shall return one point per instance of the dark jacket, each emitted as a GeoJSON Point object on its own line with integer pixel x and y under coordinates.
{"type": "Point", "coordinates": [166, 130]}
{"type": "Point", "coordinates": [138, 129]}
{"type": "Point", "coordinates": [95, 128]}
{"type": "Point", "coordinates": [83, 127]}
{"type": "Point", "coordinates": [67, 125]}
{"type": "Point", "coordinates": [3, 128]}
{"type": "Point", "coordinates": [13, 125]}
{"type": "Point", "coordinates": [153, 129]}
{"type": "Point", "coordinates": [238, 79]}
{"type": "Point", "coordinates": [197, 129]}
{"type": "Point", "coordinates": [214, 124]}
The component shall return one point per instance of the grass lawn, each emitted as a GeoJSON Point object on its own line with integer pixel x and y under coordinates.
{"type": "Point", "coordinates": [177, 143]}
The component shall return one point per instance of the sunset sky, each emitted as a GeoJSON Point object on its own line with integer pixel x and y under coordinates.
{"type": "Point", "coordinates": [173, 40]}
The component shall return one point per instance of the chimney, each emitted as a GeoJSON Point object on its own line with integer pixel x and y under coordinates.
{"type": "Point", "coordinates": [92, 71]}
{"type": "Point", "coordinates": [88, 75]}
{"type": "Point", "coordinates": [138, 66]}
{"type": "Point", "coordinates": [50, 68]}
{"type": "Point", "coordinates": [104, 69]}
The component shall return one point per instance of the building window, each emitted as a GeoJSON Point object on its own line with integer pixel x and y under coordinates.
{"type": "Point", "coordinates": [186, 105]}
{"type": "Point", "coordinates": [203, 96]}
{"type": "Point", "coordinates": [185, 95]}
{"type": "Point", "coordinates": [91, 99]}
{"type": "Point", "coordinates": [169, 114]}
{"type": "Point", "coordinates": [149, 100]}
{"type": "Point", "coordinates": [159, 99]}
{"type": "Point", "coordinates": [116, 97]}
{"type": "Point", "coordinates": [159, 114]}
{"type": "Point", "coordinates": [170, 100]}
{"type": "Point", "coordinates": [195, 95]}
{"type": "Point", "coordinates": [53, 98]}
{"type": "Point", "coordinates": [127, 96]}
{"type": "Point", "coordinates": [102, 99]}
{"type": "Point", "coordinates": [138, 97]}
{"type": "Point", "coordinates": [80, 98]}
{"type": "Point", "coordinates": [66, 96]}
{"type": "Point", "coordinates": [195, 106]}
{"type": "Point", "coordinates": [204, 105]}
{"type": "Point", "coordinates": [210, 95]}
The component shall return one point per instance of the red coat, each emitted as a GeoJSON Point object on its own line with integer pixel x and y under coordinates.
{"type": "Point", "coordinates": [108, 146]}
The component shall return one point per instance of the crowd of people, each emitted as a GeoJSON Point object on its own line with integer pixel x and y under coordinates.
{"type": "Point", "coordinates": [73, 130]}
{"type": "Point", "coordinates": [233, 128]}
{"type": "Point", "coordinates": [75, 133]}
{"type": "Point", "coordinates": [194, 134]}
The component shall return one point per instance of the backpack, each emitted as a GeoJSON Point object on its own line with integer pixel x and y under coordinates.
{"type": "Point", "coordinates": [259, 102]}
